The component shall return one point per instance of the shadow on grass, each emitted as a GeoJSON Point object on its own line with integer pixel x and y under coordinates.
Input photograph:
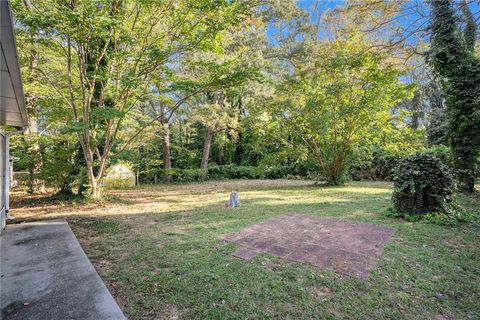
{"type": "Point", "coordinates": [41, 200]}
{"type": "Point", "coordinates": [168, 192]}
{"type": "Point", "coordinates": [367, 206]}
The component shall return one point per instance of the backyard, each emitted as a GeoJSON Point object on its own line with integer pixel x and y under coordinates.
{"type": "Point", "coordinates": [348, 130]}
{"type": "Point", "coordinates": [158, 250]}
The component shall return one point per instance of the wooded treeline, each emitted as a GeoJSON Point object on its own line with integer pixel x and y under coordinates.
{"type": "Point", "coordinates": [186, 90]}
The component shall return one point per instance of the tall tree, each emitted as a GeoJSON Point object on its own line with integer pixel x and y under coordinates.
{"type": "Point", "coordinates": [217, 75]}
{"type": "Point", "coordinates": [111, 49]}
{"type": "Point", "coordinates": [31, 138]}
{"type": "Point", "coordinates": [454, 60]}
{"type": "Point", "coordinates": [217, 113]}
{"type": "Point", "coordinates": [163, 109]}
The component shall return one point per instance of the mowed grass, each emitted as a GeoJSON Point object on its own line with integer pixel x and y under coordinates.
{"type": "Point", "coordinates": [157, 249]}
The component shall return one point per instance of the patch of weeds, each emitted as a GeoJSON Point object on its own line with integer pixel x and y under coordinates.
{"type": "Point", "coordinates": [452, 217]}
{"type": "Point", "coordinates": [459, 216]}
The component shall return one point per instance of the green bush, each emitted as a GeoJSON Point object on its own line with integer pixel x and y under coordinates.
{"type": "Point", "coordinates": [454, 216]}
{"type": "Point", "coordinates": [375, 164]}
{"type": "Point", "coordinates": [47, 158]}
{"type": "Point", "coordinates": [277, 172]}
{"type": "Point", "coordinates": [231, 171]}
{"type": "Point", "coordinates": [422, 185]}
{"type": "Point", "coordinates": [442, 153]}
{"type": "Point", "coordinates": [188, 175]}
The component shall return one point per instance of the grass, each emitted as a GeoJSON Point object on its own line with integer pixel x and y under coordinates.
{"type": "Point", "coordinates": [157, 249]}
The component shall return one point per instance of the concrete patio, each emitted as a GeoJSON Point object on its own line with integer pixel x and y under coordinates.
{"type": "Point", "coordinates": [46, 275]}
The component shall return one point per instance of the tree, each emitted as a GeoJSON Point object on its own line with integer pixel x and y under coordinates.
{"type": "Point", "coordinates": [453, 59]}
{"type": "Point", "coordinates": [44, 114]}
{"type": "Point", "coordinates": [218, 76]}
{"type": "Point", "coordinates": [162, 109]}
{"type": "Point", "coordinates": [215, 114]}
{"type": "Point", "coordinates": [111, 49]}
{"type": "Point", "coordinates": [339, 100]}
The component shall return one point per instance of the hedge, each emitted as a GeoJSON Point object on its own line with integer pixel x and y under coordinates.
{"type": "Point", "coordinates": [225, 172]}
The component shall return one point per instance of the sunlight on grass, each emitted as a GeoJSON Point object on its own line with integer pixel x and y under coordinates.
{"type": "Point", "coordinates": [158, 248]}
{"type": "Point", "coordinates": [164, 198]}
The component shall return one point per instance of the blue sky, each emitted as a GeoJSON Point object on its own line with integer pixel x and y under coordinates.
{"type": "Point", "coordinates": [413, 18]}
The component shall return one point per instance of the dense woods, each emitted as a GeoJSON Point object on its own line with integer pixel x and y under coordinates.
{"type": "Point", "coordinates": [190, 90]}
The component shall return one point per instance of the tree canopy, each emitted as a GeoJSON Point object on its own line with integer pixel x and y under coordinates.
{"type": "Point", "coordinates": [192, 89]}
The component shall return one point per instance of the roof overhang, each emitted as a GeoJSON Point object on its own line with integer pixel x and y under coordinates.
{"type": "Point", "coordinates": [12, 102]}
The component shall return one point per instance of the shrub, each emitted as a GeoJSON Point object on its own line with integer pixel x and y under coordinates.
{"type": "Point", "coordinates": [188, 175]}
{"type": "Point", "coordinates": [277, 172]}
{"type": "Point", "coordinates": [224, 172]}
{"type": "Point", "coordinates": [375, 164]}
{"type": "Point", "coordinates": [454, 216]}
{"type": "Point", "coordinates": [379, 163]}
{"type": "Point", "coordinates": [442, 153]}
{"type": "Point", "coordinates": [232, 171]}
{"type": "Point", "coordinates": [422, 185]}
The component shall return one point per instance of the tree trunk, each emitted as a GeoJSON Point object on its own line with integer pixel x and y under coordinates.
{"type": "Point", "coordinates": [335, 177]}
{"type": "Point", "coordinates": [466, 177]}
{"type": "Point", "coordinates": [336, 174]}
{"type": "Point", "coordinates": [416, 110]}
{"type": "Point", "coordinates": [468, 183]}
{"type": "Point", "coordinates": [95, 181]}
{"type": "Point", "coordinates": [167, 164]}
{"type": "Point", "coordinates": [96, 187]}
{"type": "Point", "coordinates": [180, 133]}
{"type": "Point", "coordinates": [35, 184]}
{"type": "Point", "coordinates": [206, 150]}
{"type": "Point", "coordinates": [96, 191]}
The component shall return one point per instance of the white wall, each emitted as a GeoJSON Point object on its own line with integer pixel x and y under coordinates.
{"type": "Point", "coordinates": [3, 180]}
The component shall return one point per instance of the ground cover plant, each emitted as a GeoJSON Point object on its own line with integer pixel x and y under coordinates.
{"type": "Point", "coordinates": [157, 249]}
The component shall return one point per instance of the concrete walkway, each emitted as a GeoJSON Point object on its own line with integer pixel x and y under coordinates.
{"type": "Point", "coordinates": [46, 275]}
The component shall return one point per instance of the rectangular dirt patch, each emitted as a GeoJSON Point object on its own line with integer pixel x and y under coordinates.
{"type": "Point", "coordinates": [343, 246]}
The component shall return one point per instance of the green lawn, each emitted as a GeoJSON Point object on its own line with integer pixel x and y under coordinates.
{"type": "Point", "coordinates": [157, 249]}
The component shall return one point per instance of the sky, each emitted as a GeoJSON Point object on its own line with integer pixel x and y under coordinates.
{"type": "Point", "coordinates": [414, 16]}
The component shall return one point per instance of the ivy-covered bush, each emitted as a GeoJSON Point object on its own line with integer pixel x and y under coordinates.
{"type": "Point", "coordinates": [442, 153]}
{"type": "Point", "coordinates": [422, 185]}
